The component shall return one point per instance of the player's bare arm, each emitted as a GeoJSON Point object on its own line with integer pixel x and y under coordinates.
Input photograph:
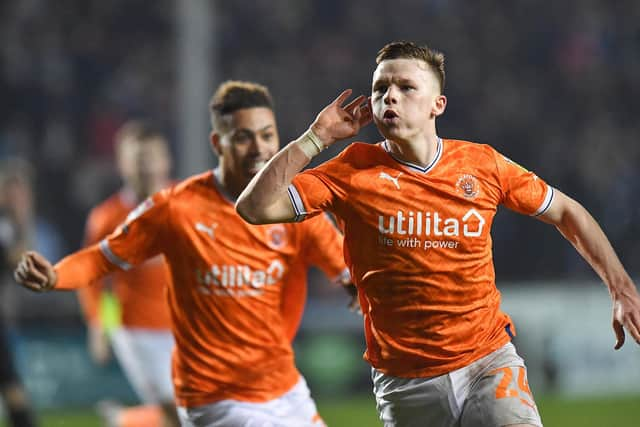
{"type": "Point", "coordinates": [265, 199]}
{"type": "Point", "coordinates": [578, 226]}
{"type": "Point", "coordinates": [35, 272]}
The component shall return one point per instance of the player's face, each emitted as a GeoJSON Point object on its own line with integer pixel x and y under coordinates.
{"type": "Point", "coordinates": [250, 140]}
{"type": "Point", "coordinates": [145, 165]}
{"type": "Point", "coordinates": [405, 95]}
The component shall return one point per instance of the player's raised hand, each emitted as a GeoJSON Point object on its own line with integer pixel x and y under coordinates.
{"type": "Point", "coordinates": [35, 272]}
{"type": "Point", "coordinates": [626, 315]}
{"type": "Point", "coordinates": [336, 122]}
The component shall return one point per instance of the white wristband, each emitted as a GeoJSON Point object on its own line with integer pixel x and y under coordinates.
{"type": "Point", "coordinates": [310, 144]}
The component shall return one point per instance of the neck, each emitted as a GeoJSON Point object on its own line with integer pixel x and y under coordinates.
{"type": "Point", "coordinates": [420, 151]}
{"type": "Point", "coordinates": [228, 182]}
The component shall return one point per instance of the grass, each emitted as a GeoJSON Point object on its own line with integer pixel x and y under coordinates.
{"type": "Point", "coordinates": [360, 412]}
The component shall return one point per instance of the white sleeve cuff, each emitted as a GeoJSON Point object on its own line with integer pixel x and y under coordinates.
{"type": "Point", "coordinates": [296, 202]}
{"type": "Point", "coordinates": [113, 258]}
{"type": "Point", "coordinates": [546, 203]}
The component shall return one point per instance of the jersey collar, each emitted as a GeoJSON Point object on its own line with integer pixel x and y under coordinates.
{"type": "Point", "coordinates": [413, 166]}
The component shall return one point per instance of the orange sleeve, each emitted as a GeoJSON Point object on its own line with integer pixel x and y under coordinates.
{"type": "Point", "coordinates": [142, 234]}
{"type": "Point", "coordinates": [322, 247]}
{"type": "Point", "coordinates": [82, 268]}
{"type": "Point", "coordinates": [132, 243]}
{"type": "Point", "coordinates": [522, 191]}
{"type": "Point", "coordinates": [89, 296]}
{"type": "Point", "coordinates": [310, 194]}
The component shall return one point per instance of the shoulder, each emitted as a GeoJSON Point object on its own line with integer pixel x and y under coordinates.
{"type": "Point", "coordinates": [479, 155]}
{"type": "Point", "coordinates": [361, 152]}
{"type": "Point", "coordinates": [357, 155]}
{"type": "Point", "coordinates": [190, 183]}
{"type": "Point", "coordinates": [189, 186]}
{"type": "Point", "coordinates": [474, 148]}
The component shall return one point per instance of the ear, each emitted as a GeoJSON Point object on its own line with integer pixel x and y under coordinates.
{"type": "Point", "coordinates": [439, 105]}
{"type": "Point", "coordinates": [214, 140]}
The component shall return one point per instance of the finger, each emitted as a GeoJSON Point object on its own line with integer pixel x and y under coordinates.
{"type": "Point", "coordinates": [19, 275]}
{"type": "Point", "coordinates": [43, 266]}
{"type": "Point", "coordinates": [356, 115]}
{"type": "Point", "coordinates": [352, 107]}
{"type": "Point", "coordinates": [342, 97]}
{"type": "Point", "coordinates": [30, 284]}
{"type": "Point", "coordinates": [39, 261]}
{"type": "Point", "coordinates": [366, 116]}
{"type": "Point", "coordinates": [34, 272]}
{"type": "Point", "coordinates": [619, 330]}
{"type": "Point", "coordinates": [633, 327]}
{"type": "Point", "coordinates": [366, 108]}
{"type": "Point", "coordinates": [21, 272]}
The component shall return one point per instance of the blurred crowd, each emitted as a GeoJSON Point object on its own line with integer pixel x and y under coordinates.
{"type": "Point", "coordinates": [553, 85]}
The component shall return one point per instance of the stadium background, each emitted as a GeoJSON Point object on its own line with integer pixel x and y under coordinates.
{"type": "Point", "coordinates": [553, 85]}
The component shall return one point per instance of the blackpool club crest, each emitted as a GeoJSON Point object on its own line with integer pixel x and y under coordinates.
{"type": "Point", "coordinates": [276, 236]}
{"type": "Point", "coordinates": [468, 186]}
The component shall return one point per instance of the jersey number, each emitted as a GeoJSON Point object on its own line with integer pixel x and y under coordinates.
{"type": "Point", "coordinates": [507, 389]}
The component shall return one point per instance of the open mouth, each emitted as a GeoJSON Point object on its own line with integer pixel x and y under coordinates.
{"type": "Point", "coordinates": [389, 114]}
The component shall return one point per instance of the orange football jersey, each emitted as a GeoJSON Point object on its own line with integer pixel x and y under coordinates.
{"type": "Point", "coordinates": [418, 244]}
{"type": "Point", "coordinates": [226, 293]}
{"type": "Point", "coordinates": [141, 290]}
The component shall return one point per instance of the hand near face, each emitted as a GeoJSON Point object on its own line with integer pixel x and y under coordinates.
{"type": "Point", "coordinates": [336, 122]}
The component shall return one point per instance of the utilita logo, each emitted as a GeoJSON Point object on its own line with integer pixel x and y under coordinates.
{"type": "Point", "coordinates": [238, 280]}
{"type": "Point", "coordinates": [431, 224]}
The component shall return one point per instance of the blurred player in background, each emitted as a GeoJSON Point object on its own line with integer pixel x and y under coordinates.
{"type": "Point", "coordinates": [233, 364]}
{"type": "Point", "coordinates": [142, 342]}
{"type": "Point", "coordinates": [15, 236]}
{"type": "Point", "coordinates": [417, 212]}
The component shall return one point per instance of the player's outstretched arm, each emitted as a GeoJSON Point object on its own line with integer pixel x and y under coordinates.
{"type": "Point", "coordinates": [578, 226]}
{"type": "Point", "coordinates": [79, 269]}
{"type": "Point", "coordinates": [265, 200]}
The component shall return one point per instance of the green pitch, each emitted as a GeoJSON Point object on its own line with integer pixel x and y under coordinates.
{"type": "Point", "coordinates": [360, 412]}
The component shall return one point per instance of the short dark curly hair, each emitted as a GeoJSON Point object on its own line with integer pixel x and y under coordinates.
{"type": "Point", "coordinates": [234, 95]}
